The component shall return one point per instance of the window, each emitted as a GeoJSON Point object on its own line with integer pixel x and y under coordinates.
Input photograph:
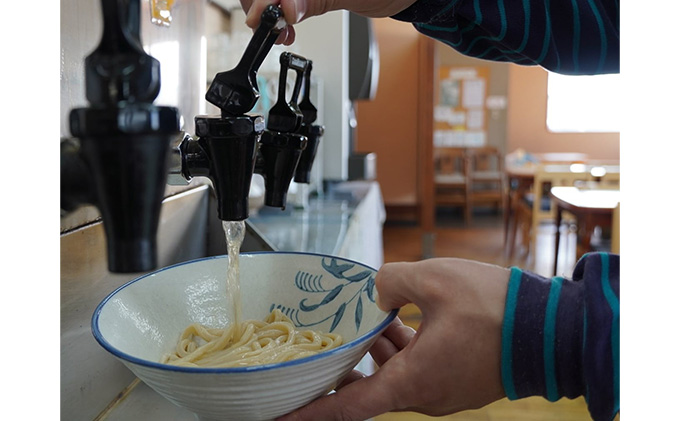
{"type": "Point", "coordinates": [584, 103]}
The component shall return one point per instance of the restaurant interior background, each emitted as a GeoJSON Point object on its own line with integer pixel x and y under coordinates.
{"type": "Point", "coordinates": [514, 120]}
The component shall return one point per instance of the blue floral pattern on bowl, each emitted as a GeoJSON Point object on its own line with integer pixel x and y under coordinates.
{"type": "Point", "coordinates": [344, 280]}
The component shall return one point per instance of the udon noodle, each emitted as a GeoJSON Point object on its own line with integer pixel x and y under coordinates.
{"type": "Point", "coordinates": [260, 342]}
{"type": "Point", "coordinates": [248, 343]}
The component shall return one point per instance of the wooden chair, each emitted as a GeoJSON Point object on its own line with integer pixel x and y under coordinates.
{"type": "Point", "coordinates": [487, 178]}
{"type": "Point", "coordinates": [536, 207]}
{"type": "Point", "coordinates": [451, 179]}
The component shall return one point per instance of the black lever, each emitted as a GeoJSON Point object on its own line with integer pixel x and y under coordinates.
{"type": "Point", "coordinates": [309, 111]}
{"type": "Point", "coordinates": [311, 131]}
{"type": "Point", "coordinates": [285, 116]}
{"type": "Point", "coordinates": [281, 145]}
{"type": "Point", "coordinates": [235, 91]}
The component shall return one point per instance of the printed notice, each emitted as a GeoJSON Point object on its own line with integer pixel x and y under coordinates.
{"type": "Point", "coordinates": [474, 92]}
{"type": "Point", "coordinates": [475, 119]}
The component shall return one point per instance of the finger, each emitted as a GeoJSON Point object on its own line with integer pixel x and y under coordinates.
{"type": "Point", "coordinates": [245, 5]}
{"type": "Point", "coordinates": [353, 376]}
{"type": "Point", "coordinates": [349, 403]}
{"type": "Point", "coordinates": [393, 339]}
{"type": "Point", "coordinates": [382, 350]}
{"type": "Point", "coordinates": [254, 14]}
{"type": "Point", "coordinates": [287, 36]}
{"type": "Point", "coordinates": [281, 39]}
{"type": "Point", "coordinates": [395, 285]}
{"type": "Point", "coordinates": [293, 10]}
{"type": "Point", "coordinates": [399, 334]}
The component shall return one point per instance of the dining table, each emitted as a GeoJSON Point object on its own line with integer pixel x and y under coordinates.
{"type": "Point", "coordinates": [519, 178]}
{"type": "Point", "coordinates": [590, 206]}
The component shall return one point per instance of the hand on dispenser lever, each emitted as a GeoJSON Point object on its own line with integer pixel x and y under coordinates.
{"type": "Point", "coordinates": [296, 11]}
{"type": "Point", "coordinates": [451, 364]}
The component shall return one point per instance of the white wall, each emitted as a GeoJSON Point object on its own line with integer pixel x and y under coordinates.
{"type": "Point", "coordinates": [325, 41]}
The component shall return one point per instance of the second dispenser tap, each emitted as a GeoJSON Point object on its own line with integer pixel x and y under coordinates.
{"type": "Point", "coordinates": [231, 147]}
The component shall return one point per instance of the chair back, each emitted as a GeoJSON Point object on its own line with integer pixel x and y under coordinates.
{"type": "Point", "coordinates": [450, 166]}
{"type": "Point", "coordinates": [547, 176]}
{"type": "Point", "coordinates": [485, 160]}
{"type": "Point", "coordinates": [451, 179]}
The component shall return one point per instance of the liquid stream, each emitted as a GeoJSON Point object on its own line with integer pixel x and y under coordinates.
{"type": "Point", "coordinates": [234, 232]}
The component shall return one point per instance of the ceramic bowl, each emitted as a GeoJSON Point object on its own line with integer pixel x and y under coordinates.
{"type": "Point", "coordinates": [142, 320]}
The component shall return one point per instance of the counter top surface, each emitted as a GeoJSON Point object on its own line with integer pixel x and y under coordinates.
{"type": "Point", "coordinates": [318, 228]}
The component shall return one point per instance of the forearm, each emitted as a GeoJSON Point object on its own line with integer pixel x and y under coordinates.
{"type": "Point", "coordinates": [571, 37]}
{"type": "Point", "coordinates": [560, 336]}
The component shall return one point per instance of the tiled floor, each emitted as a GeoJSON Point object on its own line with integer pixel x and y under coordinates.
{"type": "Point", "coordinates": [482, 240]}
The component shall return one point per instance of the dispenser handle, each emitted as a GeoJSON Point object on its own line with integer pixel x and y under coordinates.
{"type": "Point", "coordinates": [119, 70]}
{"type": "Point", "coordinates": [235, 91]}
{"type": "Point", "coordinates": [286, 116]}
{"type": "Point", "coordinates": [262, 41]}
{"type": "Point", "coordinates": [309, 111]}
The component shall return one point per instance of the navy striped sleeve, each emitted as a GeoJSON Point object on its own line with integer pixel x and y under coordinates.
{"type": "Point", "coordinates": [561, 337]}
{"type": "Point", "coordinates": [563, 36]}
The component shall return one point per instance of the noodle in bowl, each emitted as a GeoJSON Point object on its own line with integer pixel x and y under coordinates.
{"type": "Point", "coordinates": [141, 322]}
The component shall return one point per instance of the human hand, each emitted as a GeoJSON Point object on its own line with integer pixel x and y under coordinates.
{"type": "Point", "coordinates": [295, 11]}
{"type": "Point", "coordinates": [452, 363]}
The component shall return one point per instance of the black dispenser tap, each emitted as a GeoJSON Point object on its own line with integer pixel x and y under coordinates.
{"type": "Point", "coordinates": [121, 141]}
{"type": "Point", "coordinates": [231, 147]}
{"type": "Point", "coordinates": [281, 146]}
{"type": "Point", "coordinates": [227, 145]}
{"type": "Point", "coordinates": [312, 131]}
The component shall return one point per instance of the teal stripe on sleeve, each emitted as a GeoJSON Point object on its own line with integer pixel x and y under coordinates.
{"type": "Point", "coordinates": [447, 8]}
{"type": "Point", "coordinates": [577, 34]}
{"type": "Point", "coordinates": [507, 333]}
{"type": "Point", "coordinates": [527, 25]}
{"type": "Point", "coordinates": [603, 35]}
{"type": "Point", "coordinates": [549, 339]}
{"type": "Point", "coordinates": [613, 302]}
{"type": "Point", "coordinates": [547, 36]}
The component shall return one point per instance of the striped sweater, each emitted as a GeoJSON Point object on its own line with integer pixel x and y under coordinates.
{"type": "Point", "coordinates": [563, 36]}
{"type": "Point", "coordinates": [561, 337]}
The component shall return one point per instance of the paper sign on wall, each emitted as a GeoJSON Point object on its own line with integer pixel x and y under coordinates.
{"type": "Point", "coordinates": [460, 113]}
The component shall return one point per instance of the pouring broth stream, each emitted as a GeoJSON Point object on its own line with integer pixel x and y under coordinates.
{"type": "Point", "coordinates": [250, 342]}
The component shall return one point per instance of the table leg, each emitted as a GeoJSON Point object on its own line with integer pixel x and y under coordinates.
{"type": "Point", "coordinates": [558, 222]}
{"type": "Point", "coordinates": [506, 212]}
{"type": "Point", "coordinates": [588, 234]}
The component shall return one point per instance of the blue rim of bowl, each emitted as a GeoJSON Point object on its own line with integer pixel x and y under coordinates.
{"type": "Point", "coordinates": [152, 364]}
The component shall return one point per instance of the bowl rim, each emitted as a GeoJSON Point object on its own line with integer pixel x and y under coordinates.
{"type": "Point", "coordinates": [391, 315]}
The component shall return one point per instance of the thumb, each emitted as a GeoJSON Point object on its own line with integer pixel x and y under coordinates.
{"type": "Point", "coordinates": [395, 283]}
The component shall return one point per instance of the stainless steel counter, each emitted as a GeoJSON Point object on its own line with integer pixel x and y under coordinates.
{"type": "Point", "coordinates": [346, 222]}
